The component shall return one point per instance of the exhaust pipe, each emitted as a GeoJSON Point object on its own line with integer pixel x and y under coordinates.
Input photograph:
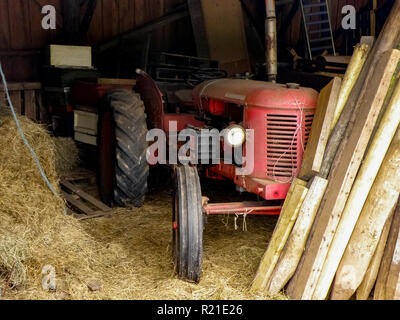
{"type": "Point", "coordinates": [271, 42]}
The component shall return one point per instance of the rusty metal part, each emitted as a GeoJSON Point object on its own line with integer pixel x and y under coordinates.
{"type": "Point", "coordinates": [271, 42]}
{"type": "Point", "coordinates": [242, 208]}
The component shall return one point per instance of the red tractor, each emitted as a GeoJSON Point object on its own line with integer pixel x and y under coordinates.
{"type": "Point", "coordinates": [281, 117]}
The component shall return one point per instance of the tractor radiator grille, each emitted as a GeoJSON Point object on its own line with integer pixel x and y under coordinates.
{"type": "Point", "coordinates": [287, 136]}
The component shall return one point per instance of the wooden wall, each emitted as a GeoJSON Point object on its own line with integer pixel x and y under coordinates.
{"type": "Point", "coordinates": [20, 29]}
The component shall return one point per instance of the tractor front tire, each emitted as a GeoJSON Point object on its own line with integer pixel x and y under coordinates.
{"type": "Point", "coordinates": [123, 168]}
{"type": "Point", "coordinates": [188, 225]}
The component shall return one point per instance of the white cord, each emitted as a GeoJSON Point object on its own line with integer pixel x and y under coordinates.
{"type": "Point", "coordinates": [21, 133]}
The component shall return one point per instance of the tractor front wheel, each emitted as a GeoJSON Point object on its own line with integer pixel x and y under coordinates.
{"type": "Point", "coordinates": [187, 224]}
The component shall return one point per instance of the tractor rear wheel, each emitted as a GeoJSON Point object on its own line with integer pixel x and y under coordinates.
{"type": "Point", "coordinates": [123, 168]}
{"type": "Point", "coordinates": [187, 224]}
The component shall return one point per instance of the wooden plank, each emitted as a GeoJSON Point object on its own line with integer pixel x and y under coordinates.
{"type": "Point", "coordinates": [70, 56]}
{"type": "Point", "coordinates": [369, 40]}
{"type": "Point", "coordinates": [388, 39]}
{"type": "Point", "coordinates": [31, 110]}
{"type": "Point", "coordinates": [19, 22]}
{"type": "Point", "coordinates": [227, 45]}
{"type": "Point", "coordinates": [290, 211]}
{"type": "Point", "coordinates": [85, 196]}
{"type": "Point", "coordinates": [5, 42]}
{"type": "Point", "coordinates": [129, 82]}
{"type": "Point", "coordinates": [359, 193]}
{"type": "Point", "coordinates": [71, 11]}
{"type": "Point", "coordinates": [38, 36]}
{"type": "Point", "coordinates": [16, 100]}
{"type": "Point", "coordinates": [344, 171]}
{"type": "Point", "coordinates": [126, 18]}
{"type": "Point", "coordinates": [20, 86]}
{"type": "Point", "coordinates": [3, 100]}
{"type": "Point", "coordinates": [291, 254]}
{"type": "Point", "coordinates": [353, 71]}
{"type": "Point", "coordinates": [381, 281]}
{"type": "Point", "coordinates": [98, 214]}
{"type": "Point", "coordinates": [199, 28]}
{"type": "Point", "coordinates": [96, 30]}
{"type": "Point", "coordinates": [44, 115]}
{"type": "Point", "coordinates": [76, 203]}
{"type": "Point", "coordinates": [140, 17]}
{"type": "Point", "coordinates": [359, 254]}
{"type": "Point", "coordinates": [80, 175]}
{"type": "Point", "coordinates": [392, 289]}
{"type": "Point", "coordinates": [321, 129]}
{"type": "Point", "coordinates": [145, 29]}
{"type": "Point", "coordinates": [110, 18]}
{"type": "Point", "coordinates": [373, 17]}
{"type": "Point", "coordinates": [365, 288]}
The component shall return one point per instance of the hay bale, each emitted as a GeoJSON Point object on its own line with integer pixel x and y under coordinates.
{"type": "Point", "coordinates": [34, 231]}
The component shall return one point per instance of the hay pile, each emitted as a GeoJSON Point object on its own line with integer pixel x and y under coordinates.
{"type": "Point", "coordinates": [67, 155]}
{"type": "Point", "coordinates": [129, 254]}
{"type": "Point", "coordinates": [34, 232]}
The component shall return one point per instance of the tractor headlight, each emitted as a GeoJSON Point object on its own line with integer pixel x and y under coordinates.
{"type": "Point", "coordinates": [235, 135]}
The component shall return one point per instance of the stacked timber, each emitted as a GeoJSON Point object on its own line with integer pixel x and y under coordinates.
{"type": "Point", "coordinates": [339, 233]}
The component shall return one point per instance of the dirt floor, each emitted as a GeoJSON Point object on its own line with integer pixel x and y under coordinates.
{"type": "Point", "coordinates": [141, 239]}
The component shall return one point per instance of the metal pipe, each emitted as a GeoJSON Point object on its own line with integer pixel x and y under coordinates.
{"type": "Point", "coordinates": [271, 42]}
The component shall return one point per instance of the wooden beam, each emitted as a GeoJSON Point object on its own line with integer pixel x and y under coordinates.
{"type": "Point", "coordinates": [19, 53]}
{"type": "Point", "coordinates": [359, 192]}
{"type": "Point", "coordinates": [320, 130]}
{"type": "Point", "coordinates": [291, 254]}
{"type": "Point", "coordinates": [87, 18]}
{"type": "Point", "coordinates": [290, 211]}
{"type": "Point", "coordinates": [71, 11]}
{"type": "Point", "coordinates": [353, 71]}
{"type": "Point", "coordinates": [373, 17]}
{"type": "Point", "coordinates": [85, 196]}
{"type": "Point", "coordinates": [392, 290]}
{"type": "Point", "coordinates": [365, 288]}
{"type": "Point", "coordinates": [173, 16]}
{"type": "Point", "coordinates": [388, 40]}
{"type": "Point", "coordinates": [77, 203]}
{"type": "Point", "coordinates": [214, 39]}
{"type": "Point", "coordinates": [199, 28]}
{"type": "Point", "coordinates": [31, 109]}
{"type": "Point", "coordinates": [20, 86]}
{"type": "Point", "coordinates": [344, 171]}
{"type": "Point", "coordinates": [381, 282]}
{"type": "Point", "coordinates": [382, 197]}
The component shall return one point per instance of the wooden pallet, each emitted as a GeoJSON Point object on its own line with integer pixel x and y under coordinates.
{"type": "Point", "coordinates": [82, 175]}
{"type": "Point", "coordinates": [83, 205]}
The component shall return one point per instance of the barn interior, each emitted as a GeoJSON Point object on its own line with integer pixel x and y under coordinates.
{"type": "Point", "coordinates": [83, 215]}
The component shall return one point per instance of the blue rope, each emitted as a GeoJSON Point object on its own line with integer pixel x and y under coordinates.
{"type": "Point", "coordinates": [21, 133]}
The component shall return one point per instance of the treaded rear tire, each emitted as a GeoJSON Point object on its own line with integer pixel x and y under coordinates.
{"type": "Point", "coordinates": [129, 152]}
